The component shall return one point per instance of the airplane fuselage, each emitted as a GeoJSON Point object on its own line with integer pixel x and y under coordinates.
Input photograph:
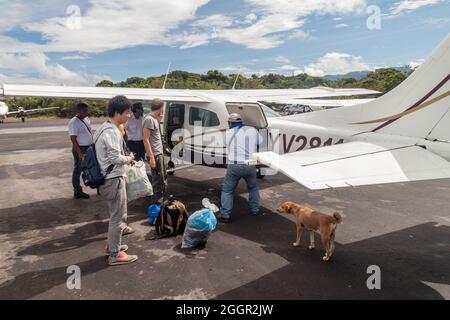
{"type": "Point", "coordinates": [283, 136]}
{"type": "Point", "coordinates": [288, 136]}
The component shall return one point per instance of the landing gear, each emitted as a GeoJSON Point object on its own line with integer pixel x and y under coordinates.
{"type": "Point", "coordinates": [170, 168]}
{"type": "Point", "coordinates": [23, 120]}
{"type": "Point", "coordinates": [260, 173]}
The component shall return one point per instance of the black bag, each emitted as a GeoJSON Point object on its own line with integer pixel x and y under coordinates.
{"type": "Point", "coordinates": [91, 172]}
{"type": "Point", "coordinates": [171, 220]}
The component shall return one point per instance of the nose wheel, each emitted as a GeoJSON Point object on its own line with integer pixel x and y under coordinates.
{"type": "Point", "coordinates": [170, 168]}
{"type": "Point", "coordinates": [260, 174]}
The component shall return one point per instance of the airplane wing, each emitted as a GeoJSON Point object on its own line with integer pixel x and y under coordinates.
{"type": "Point", "coordinates": [29, 111]}
{"type": "Point", "coordinates": [174, 95]}
{"type": "Point", "coordinates": [273, 95]}
{"type": "Point", "coordinates": [357, 164]}
{"type": "Point", "coordinates": [323, 102]}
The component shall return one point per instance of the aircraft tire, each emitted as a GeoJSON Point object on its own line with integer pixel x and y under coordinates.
{"type": "Point", "coordinates": [170, 166]}
{"type": "Point", "coordinates": [259, 175]}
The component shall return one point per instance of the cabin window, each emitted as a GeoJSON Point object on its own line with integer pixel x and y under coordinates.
{"type": "Point", "coordinates": [206, 117]}
{"type": "Point", "coordinates": [175, 117]}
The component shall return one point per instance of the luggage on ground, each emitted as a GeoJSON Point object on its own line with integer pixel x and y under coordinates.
{"type": "Point", "coordinates": [199, 226]}
{"type": "Point", "coordinates": [171, 219]}
{"type": "Point", "coordinates": [138, 185]}
{"type": "Point", "coordinates": [153, 212]}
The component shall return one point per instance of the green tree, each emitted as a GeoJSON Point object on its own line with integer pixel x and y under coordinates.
{"type": "Point", "coordinates": [105, 83]}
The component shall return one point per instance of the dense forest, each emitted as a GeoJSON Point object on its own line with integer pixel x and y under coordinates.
{"type": "Point", "coordinates": [382, 80]}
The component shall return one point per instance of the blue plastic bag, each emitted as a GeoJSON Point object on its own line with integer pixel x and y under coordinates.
{"type": "Point", "coordinates": [198, 229]}
{"type": "Point", "coordinates": [203, 220]}
{"type": "Point", "coordinates": [153, 212]}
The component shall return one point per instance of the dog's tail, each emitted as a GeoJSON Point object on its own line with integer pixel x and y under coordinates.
{"type": "Point", "coordinates": [338, 217]}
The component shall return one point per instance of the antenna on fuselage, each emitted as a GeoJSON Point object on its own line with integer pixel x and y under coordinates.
{"type": "Point", "coordinates": [235, 81]}
{"type": "Point", "coordinates": [167, 75]}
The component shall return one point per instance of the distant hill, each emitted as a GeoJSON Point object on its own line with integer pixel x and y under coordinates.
{"type": "Point", "coordinates": [359, 75]}
{"type": "Point", "coordinates": [405, 69]}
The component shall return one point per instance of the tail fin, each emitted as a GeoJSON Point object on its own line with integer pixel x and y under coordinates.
{"type": "Point", "coordinates": [418, 107]}
{"type": "Point", "coordinates": [338, 217]}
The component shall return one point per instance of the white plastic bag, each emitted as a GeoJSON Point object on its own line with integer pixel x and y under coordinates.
{"type": "Point", "coordinates": [208, 205]}
{"type": "Point", "coordinates": [138, 185]}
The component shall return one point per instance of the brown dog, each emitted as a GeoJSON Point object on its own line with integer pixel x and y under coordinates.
{"type": "Point", "coordinates": [312, 220]}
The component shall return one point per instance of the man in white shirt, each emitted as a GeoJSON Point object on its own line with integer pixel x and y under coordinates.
{"type": "Point", "coordinates": [241, 141]}
{"type": "Point", "coordinates": [134, 131]}
{"type": "Point", "coordinates": [80, 134]}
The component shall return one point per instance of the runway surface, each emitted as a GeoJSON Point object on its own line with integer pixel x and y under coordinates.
{"type": "Point", "coordinates": [402, 228]}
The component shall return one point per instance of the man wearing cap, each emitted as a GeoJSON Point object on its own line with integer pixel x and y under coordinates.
{"type": "Point", "coordinates": [241, 142]}
{"type": "Point", "coordinates": [154, 149]}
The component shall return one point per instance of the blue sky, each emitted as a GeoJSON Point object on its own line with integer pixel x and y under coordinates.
{"type": "Point", "coordinates": [82, 42]}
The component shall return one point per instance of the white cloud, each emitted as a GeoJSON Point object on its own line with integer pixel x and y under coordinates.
{"type": "Point", "coordinates": [306, 7]}
{"type": "Point", "coordinates": [416, 63]}
{"type": "Point", "coordinates": [13, 13]}
{"type": "Point", "coordinates": [214, 21]}
{"type": "Point", "coordinates": [113, 24]}
{"type": "Point", "coordinates": [263, 33]}
{"type": "Point", "coordinates": [8, 44]}
{"type": "Point", "coordinates": [410, 5]}
{"type": "Point", "coordinates": [75, 57]}
{"type": "Point", "coordinates": [192, 40]}
{"type": "Point", "coordinates": [249, 19]}
{"type": "Point", "coordinates": [282, 59]}
{"type": "Point", "coordinates": [281, 20]}
{"type": "Point", "coordinates": [35, 67]}
{"type": "Point", "coordinates": [233, 68]}
{"type": "Point", "coordinates": [335, 63]}
{"type": "Point", "coordinates": [288, 67]}
{"type": "Point", "coordinates": [342, 25]}
{"type": "Point", "coordinates": [298, 34]}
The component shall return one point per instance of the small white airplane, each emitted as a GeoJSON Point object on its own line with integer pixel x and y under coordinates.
{"type": "Point", "coordinates": [401, 136]}
{"type": "Point", "coordinates": [20, 113]}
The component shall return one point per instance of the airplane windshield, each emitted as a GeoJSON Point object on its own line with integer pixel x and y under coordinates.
{"type": "Point", "coordinates": [269, 112]}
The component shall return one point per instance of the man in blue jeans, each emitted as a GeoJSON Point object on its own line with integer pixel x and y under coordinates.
{"type": "Point", "coordinates": [241, 142]}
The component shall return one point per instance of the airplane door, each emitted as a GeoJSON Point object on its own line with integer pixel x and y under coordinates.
{"type": "Point", "coordinates": [174, 120]}
{"type": "Point", "coordinates": [253, 115]}
{"type": "Point", "coordinates": [205, 144]}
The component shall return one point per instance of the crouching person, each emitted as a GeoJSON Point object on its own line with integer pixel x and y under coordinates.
{"type": "Point", "coordinates": [111, 158]}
